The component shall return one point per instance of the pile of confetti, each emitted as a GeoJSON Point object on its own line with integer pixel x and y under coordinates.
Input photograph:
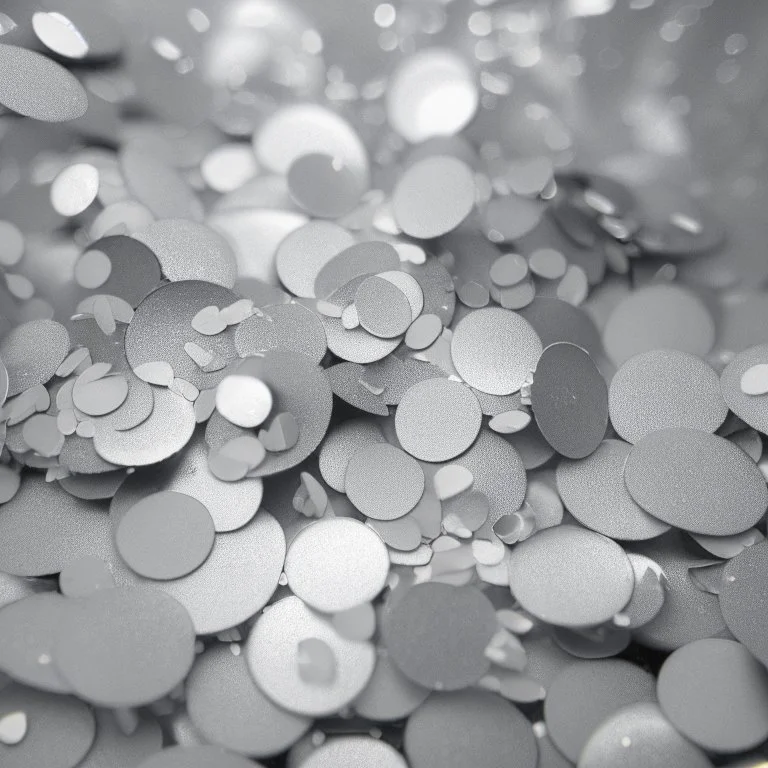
{"type": "Point", "coordinates": [347, 419]}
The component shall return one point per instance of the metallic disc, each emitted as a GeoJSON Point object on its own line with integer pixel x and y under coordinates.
{"type": "Point", "coordinates": [244, 565]}
{"type": "Point", "coordinates": [162, 325]}
{"type": "Point", "coordinates": [197, 756]}
{"type": "Point", "coordinates": [743, 598]}
{"type": "Point", "coordinates": [32, 352]}
{"type": "Point", "coordinates": [229, 710]}
{"type": "Point", "coordinates": [383, 481]}
{"type": "Point", "coordinates": [355, 751]}
{"type": "Point", "coordinates": [273, 652]}
{"type": "Point", "coordinates": [553, 575]}
{"type": "Point", "coordinates": [323, 186]}
{"type": "Point", "coordinates": [593, 490]}
{"type": "Point", "coordinates": [124, 647]}
{"type": "Point", "coordinates": [187, 250]}
{"type": "Point", "coordinates": [368, 257]}
{"type": "Point", "coordinates": [436, 735]}
{"type": "Point", "coordinates": [42, 528]}
{"type": "Point", "coordinates": [696, 481]}
{"type": "Point", "coordinates": [37, 87]}
{"type": "Point", "coordinates": [658, 316]}
{"type": "Point", "coordinates": [555, 320]}
{"type": "Point", "coordinates": [437, 287]}
{"type": "Point", "coordinates": [349, 382]}
{"type": "Point", "coordinates": [290, 326]}
{"type": "Point", "coordinates": [437, 634]}
{"type": "Point", "coordinates": [165, 535]}
{"type": "Point", "coordinates": [74, 189]}
{"type": "Point", "coordinates": [60, 729]}
{"type": "Point", "coordinates": [640, 736]}
{"type": "Point", "coordinates": [433, 196]}
{"type": "Point", "coordinates": [437, 419]}
{"type": "Point", "coordinates": [336, 564]}
{"type": "Point", "coordinates": [423, 332]}
{"type": "Point", "coordinates": [569, 398]}
{"type": "Point", "coordinates": [749, 408]}
{"type": "Point", "coordinates": [389, 695]}
{"type": "Point", "coordinates": [665, 388]}
{"type": "Point", "coordinates": [341, 443]}
{"type": "Point", "coordinates": [382, 308]}
{"type": "Point", "coordinates": [113, 749]}
{"type": "Point", "coordinates": [585, 693]}
{"type": "Point", "coordinates": [166, 431]}
{"type": "Point", "coordinates": [304, 252]}
{"type": "Point", "coordinates": [716, 694]}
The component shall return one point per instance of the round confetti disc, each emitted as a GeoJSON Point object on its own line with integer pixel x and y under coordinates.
{"type": "Point", "coordinates": [354, 751]}
{"type": "Point", "coordinates": [665, 388]}
{"type": "Point", "coordinates": [433, 196]}
{"type": "Point", "coordinates": [750, 408]}
{"type": "Point", "coordinates": [323, 186]}
{"type": "Point", "coordinates": [60, 729]}
{"type": "Point", "coordinates": [640, 736]}
{"type": "Point", "coordinates": [273, 653]}
{"type": "Point", "coordinates": [437, 635]}
{"type": "Point", "coordinates": [555, 320]}
{"type": "Point", "coordinates": [383, 309]}
{"type": "Point", "coordinates": [593, 490]}
{"type": "Point", "coordinates": [495, 350]}
{"type": "Point", "coordinates": [439, 733]}
{"type": "Point", "coordinates": [32, 352]}
{"type": "Point", "coordinates": [552, 575]}
{"type": "Point", "coordinates": [125, 647]}
{"type": "Point", "coordinates": [716, 694]}
{"type": "Point", "coordinates": [585, 693]}
{"type": "Point", "coordinates": [340, 444]}
{"type": "Point", "coordinates": [696, 481]}
{"type": "Point", "coordinates": [334, 565]}
{"type": "Point", "coordinates": [368, 257]}
{"type": "Point", "coordinates": [384, 482]}
{"type": "Point", "coordinates": [197, 756]}
{"type": "Point", "coordinates": [437, 419]}
{"type": "Point", "coordinates": [658, 317]}
{"type": "Point", "coordinates": [569, 398]}
{"type": "Point", "coordinates": [744, 598]}
{"type": "Point", "coordinates": [229, 710]}
{"type": "Point", "coordinates": [165, 535]}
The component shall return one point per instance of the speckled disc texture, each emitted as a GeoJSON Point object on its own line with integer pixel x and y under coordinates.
{"type": "Point", "coordinates": [437, 634]}
{"type": "Point", "coordinates": [716, 694]}
{"type": "Point", "coordinates": [125, 647]}
{"type": "Point", "coordinates": [751, 408]}
{"type": "Point", "coordinates": [32, 352]}
{"type": "Point", "coordinates": [594, 492]}
{"type": "Point", "coordinates": [640, 736]}
{"type": "Point", "coordinates": [437, 419]}
{"type": "Point", "coordinates": [552, 574]}
{"type": "Point", "coordinates": [569, 398]}
{"type": "Point", "coordinates": [112, 747]}
{"type": "Point", "coordinates": [228, 708]}
{"type": "Point", "coordinates": [195, 756]}
{"type": "Point", "coordinates": [469, 728]}
{"type": "Point", "coordinates": [353, 752]}
{"type": "Point", "coordinates": [272, 653]}
{"type": "Point", "coordinates": [696, 481]}
{"type": "Point", "coordinates": [334, 565]}
{"type": "Point", "coordinates": [162, 325]}
{"type": "Point", "coordinates": [665, 388]}
{"type": "Point", "coordinates": [494, 350]}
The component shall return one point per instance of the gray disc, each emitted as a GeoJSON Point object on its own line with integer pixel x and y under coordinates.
{"type": "Point", "coordinates": [288, 326]}
{"type": "Point", "coordinates": [229, 710]}
{"type": "Point", "coordinates": [162, 325]}
{"type": "Point", "coordinates": [696, 481]}
{"type": "Point", "coordinates": [389, 695]}
{"type": "Point", "coordinates": [593, 490]}
{"type": "Point", "coordinates": [32, 352]}
{"type": "Point", "coordinates": [273, 650]}
{"type": "Point", "coordinates": [60, 729]}
{"type": "Point", "coordinates": [494, 350]}
{"type": "Point", "coordinates": [437, 419]}
{"type": "Point", "coordinates": [437, 635]}
{"type": "Point", "coordinates": [114, 749]}
{"type": "Point", "coordinates": [639, 736]}
{"type": "Point", "coordinates": [42, 528]}
{"type": "Point", "coordinates": [569, 398]}
{"type": "Point", "coordinates": [665, 388]}
{"type": "Point", "coordinates": [584, 694]}
{"type": "Point", "coordinates": [353, 752]}
{"type": "Point", "coordinates": [383, 309]}
{"type": "Point", "coordinates": [474, 728]}
{"type": "Point", "coordinates": [659, 316]}
{"type": "Point", "coordinates": [165, 535]}
{"type": "Point", "coordinates": [649, 593]}
{"type": "Point", "coordinates": [341, 443]}
{"type": "Point", "coordinates": [750, 408]}
{"type": "Point", "coordinates": [688, 613]}
{"type": "Point", "coordinates": [744, 598]}
{"type": "Point", "coordinates": [384, 482]}
{"type": "Point", "coordinates": [345, 380]}
{"type": "Point", "coordinates": [125, 647]}
{"type": "Point", "coordinates": [570, 577]}
{"type": "Point", "coordinates": [555, 320]}
{"type": "Point", "coordinates": [244, 565]}
{"type": "Point", "coordinates": [197, 757]}
{"type": "Point", "coordinates": [716, 694]}
{"type": "Point", "coordinates": [368, 257]}
{"type": "Point", "coordinates": [336, 564]}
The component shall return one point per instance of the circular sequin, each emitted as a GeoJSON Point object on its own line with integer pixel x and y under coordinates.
{"type": "Point", "coordinates": [32, 352]}
{"type": "Point", "coordinates": [382, 308]}
{"type": "Point", "coordinates": [324, 186]}
{"type": "Point", "coordinates": [355, 751]}
{"type": "Point", "coordinates": [750, 408]}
